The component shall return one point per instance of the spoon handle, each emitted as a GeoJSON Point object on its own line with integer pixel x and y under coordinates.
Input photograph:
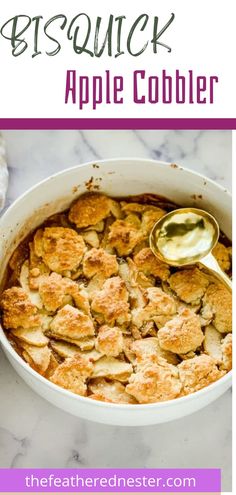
{"type": "Point", "coordinates": [211, 264]}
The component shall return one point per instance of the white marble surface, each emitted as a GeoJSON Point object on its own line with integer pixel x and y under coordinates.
{"type": "Point", "coordinates": [35, 434]}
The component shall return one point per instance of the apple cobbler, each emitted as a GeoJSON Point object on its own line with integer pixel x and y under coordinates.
{"type": "Point", "coordinates": [89, 307]}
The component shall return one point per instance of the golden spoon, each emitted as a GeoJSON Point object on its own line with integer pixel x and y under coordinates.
{"type": "Point", "coordinates": [186, 236]}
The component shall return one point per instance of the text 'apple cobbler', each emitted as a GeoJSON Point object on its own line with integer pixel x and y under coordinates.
{"type": "Point", "coordinates": [89, 307]}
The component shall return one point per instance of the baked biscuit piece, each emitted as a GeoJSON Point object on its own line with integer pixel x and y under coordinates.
{"type": "Point", "coordinates": [123, 237]}
{"type": "Point", "coordinates": [189, 285]}
{"type": "Point", "coordinates": [72, 374]}
{"type": "Point", "coordinates": [18, 310]}
{"type": "Point", "coordinates": [198, 373]}
{"type": "Point", "coordinates": [109, 391]}
{"type": "Point", "coordinates": [98, 261]}
{"type": "Point", "coordinates": [53, 292]}
{"type": "Point", "coordinates": [217, 307]}
{"type": "Point", "coordinates": [72, 323]}
{"type": "Point", "coordinates": [182, 334]}
{"type": "Point", "coordinates": [90, 209]}
{"type": "Point", "coordinates": [160, 308]}
{"type": "Point", "coordinates": [223, 256]}
{"type": "Point", "coordinates": [226, 346]}
{"type": "Point", "coordinates": [149, 264]}
{"type": "Point", "coordinates": [109, 341]}
{"type": "Point", "coordinates": [56, 291]}
{"type": "Point", "coordinates": [155, 383]}
{"type": "Point", "coordinates": [60, 248]}
{"type": "Point", "coordinates": [111, 302]}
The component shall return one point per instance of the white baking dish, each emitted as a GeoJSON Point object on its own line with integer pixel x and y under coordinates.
{"type": "Point", "coordinates": [118, 177]}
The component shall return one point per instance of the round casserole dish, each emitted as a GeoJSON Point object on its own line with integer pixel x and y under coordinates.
{"type": "Point", "coordinates": [117, 177]}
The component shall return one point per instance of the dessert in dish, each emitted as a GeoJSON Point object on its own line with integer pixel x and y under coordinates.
{"type": "Point", "coordinates": [88, 306]}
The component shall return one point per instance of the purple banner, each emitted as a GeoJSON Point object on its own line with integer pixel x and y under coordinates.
{"type": "Point", "coordinates": [94, 123]}
{"type": "Point", "coordinates": [110, 480]}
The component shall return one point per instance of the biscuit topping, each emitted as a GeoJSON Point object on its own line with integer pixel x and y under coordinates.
{"type": "Point", "coordinates": [90, 307]}
{"type": "Point", "coordinates": [109, 341]}
{"type": "Point", "coordinates": [73, 323]}
{"type": "Point", "coordinates": [111, 302]}
{"type": "Point", "coordinates": [72, 374]}
{"type": "Point", "coordinates": [223, 256]}
{"type": "Point", "coordinates": [154, 383]}
{"type": "Point", "coordinates": [197, 373]}
{"type": "Point", "coordinates": [189, 285]}
{"type": "Point", "coordinates": [56, 291]}
{"type": "Point", "coordinates": [18, 310]}
{"type": "Point", "coordinates": [217, 307]}
{"type": "Point", "coordinates": [89, 210]}
{"type": "Point", "coordinates": [99, 261]}
{"type": "Point", "coordinates": [160, 308]}
{"type": "Point", "coordinates": [60, 248]}
{"type": "Point", "coordinates": [182, 334]}
{"type": "Point", "coordinates": [124, 236]}
{"type": "Point", "coordinates": [149, 264]}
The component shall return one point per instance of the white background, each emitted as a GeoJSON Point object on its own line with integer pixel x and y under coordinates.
{"type": "Point", "coordinates": [201, 38]}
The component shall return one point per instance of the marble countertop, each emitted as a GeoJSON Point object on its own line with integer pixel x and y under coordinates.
{"type": "Point", "coordinates": [33, 433]}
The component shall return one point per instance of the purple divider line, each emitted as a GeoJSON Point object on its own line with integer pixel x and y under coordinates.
{"type": "Point", "coordinates": [15, 480]}
{"type": "Point", "coordinates": [113, 124]}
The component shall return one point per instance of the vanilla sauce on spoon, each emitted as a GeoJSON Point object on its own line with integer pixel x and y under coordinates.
{"type": "Point", "coordinates": [187, 236]}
